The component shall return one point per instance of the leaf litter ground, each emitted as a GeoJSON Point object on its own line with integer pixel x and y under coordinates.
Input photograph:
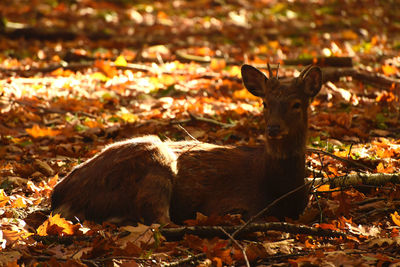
{"type": "Point", "coordinates": [172, 69]}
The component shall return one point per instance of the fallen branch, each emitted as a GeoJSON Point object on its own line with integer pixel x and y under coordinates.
{"type": "Point", "coordinates": [182, 55]}
{"type": "Point", "coordinates": [375, 179]}
{"type": "Point", "coordinates": [321, 61]}
{"type": "Point", "coordinates": [348, 161]}
{"type": "Point", "coordinates": [376, 79]}
{"type": "Point", "coordinates": [211, 231]}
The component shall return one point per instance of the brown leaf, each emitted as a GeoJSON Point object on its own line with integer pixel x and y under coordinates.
{"type": "Point", "coordinates": [43, 167]}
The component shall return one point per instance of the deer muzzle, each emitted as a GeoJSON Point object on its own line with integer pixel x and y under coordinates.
{"type": "Point", "coordinates": [275, 132]}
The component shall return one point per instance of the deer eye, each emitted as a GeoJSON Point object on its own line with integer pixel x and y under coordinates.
{"type": "Point", "coordinates": [296, 105]}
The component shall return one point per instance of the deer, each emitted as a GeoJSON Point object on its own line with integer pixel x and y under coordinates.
{"type": "Point", "coordinates": [147, 180]}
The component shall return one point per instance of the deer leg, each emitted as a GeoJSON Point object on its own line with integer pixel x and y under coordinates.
{"type": "Point", "coordinates": [153, 197]}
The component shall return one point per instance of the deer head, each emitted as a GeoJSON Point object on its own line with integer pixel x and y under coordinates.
{"type": "Point", "coordinates": [285, 105]}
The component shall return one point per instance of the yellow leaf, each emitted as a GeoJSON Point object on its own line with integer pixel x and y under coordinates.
{"type": "Point", "coordinates": [396, 218]}
{"type": "Point", "coordinates": [128, 117]}
{"type": "Point", "coordinates": [42, 229]}
{"type": "Point", "coordinates": [380, 167]}
{"type": "Point", "coordinates": [244, 94]}
{"type": "Point", "coordinates": [120, 61]}
{"type": "Point", "coordinates": [100, 76]}
{"type": "Point", "coordinates": [389, 70]}
{"type": "Point", "coordinates": [235, 71]}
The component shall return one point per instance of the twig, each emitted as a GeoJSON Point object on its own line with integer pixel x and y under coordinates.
{"type": "Point", "coordinates": [47, 258]}
{"type": "Point", "coordinates": [198, 118]}
{"type": "Point", "coordinates": [183, 129]}
{"type": "Point", "coordinates": [369, 200]}
{"type": "Point", "coordinates": [352, 162]}
{"type": "Point", "coordinates": [237, 244]}
{"type": "Point", "coordinates": [52, 110]}
{"type": "Point", "coordinates": [372, 212]}
{"type": "Point", "coordinates": [185, 261]}
{"type": "Point", "coordinates": [273, 203]}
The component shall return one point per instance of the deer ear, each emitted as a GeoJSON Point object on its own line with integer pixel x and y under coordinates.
{"type": "Point", "coordinates": [254, 80]}
{"type": "Point", "coordinates": [312, 78]}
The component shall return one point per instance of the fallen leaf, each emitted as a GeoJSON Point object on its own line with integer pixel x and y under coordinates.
{"type": "Point", "coordinates": [37, 131]}
{"type": "Point", "coordinates": [396, 218]}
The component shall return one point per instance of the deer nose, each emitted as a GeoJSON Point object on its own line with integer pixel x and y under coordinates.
{"type": "Point", "coordinates": [273, 130]}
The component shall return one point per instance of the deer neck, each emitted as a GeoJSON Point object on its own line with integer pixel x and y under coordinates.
{"type": "Point", "coordinates": [285, 160]}
{"type": "Point", "coordinates": [282, 149]}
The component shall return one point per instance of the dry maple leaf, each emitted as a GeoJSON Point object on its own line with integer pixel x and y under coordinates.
{"type": "Point", "coordinates": [55, 225]}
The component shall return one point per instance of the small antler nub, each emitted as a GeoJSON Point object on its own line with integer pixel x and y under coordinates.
{"type": "Point", "coordinates": [277, 71]}
{"type": "Point", "coordinates": [269, 71]}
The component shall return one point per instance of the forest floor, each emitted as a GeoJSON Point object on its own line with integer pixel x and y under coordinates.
{"type": "Point", "coordinates": [78, 75]}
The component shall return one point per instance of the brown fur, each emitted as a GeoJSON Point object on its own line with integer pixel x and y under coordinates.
{"type": "Point", "coordinates": [144, 179]}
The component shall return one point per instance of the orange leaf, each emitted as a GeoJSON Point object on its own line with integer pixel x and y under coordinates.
{"type": "Point", "coordinates": [204, 51]}
{"type": "Point", "coordinates": [310, 244]}
{"type": "Point", "coordinates": [53, 181]}
{"type": "Point", "coordinates": [55, 225]}
{"type": "Point", "coordinates": [325, 187]}
{"type": "Point", "coordinates": [349, 34]}
{"type": "Point", "coordinates": [217, 262]}
{"type": "Point", "coordinates": [19, 203]}
{"type": "Point", "coordinates": [217, 64]}
{"type": "Point", "coordinates": [396, 218]}
{"type": "Point", "coordinates": [10, 236]}
{"type": "Point", "coordinates": [244, 94]}
{"type": "Point", "coordinates": [37, 131]}
{"type": "Point", "coordinates": [106, 68]}
{"type": "Point", "coordinates": [3, 198]}
{"type": "Point", "coordinates": [333, 170]}
{"type": "Point", "coordinates": [395, 232]}
{"type": "Point", "coordinates": [326, 226]}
